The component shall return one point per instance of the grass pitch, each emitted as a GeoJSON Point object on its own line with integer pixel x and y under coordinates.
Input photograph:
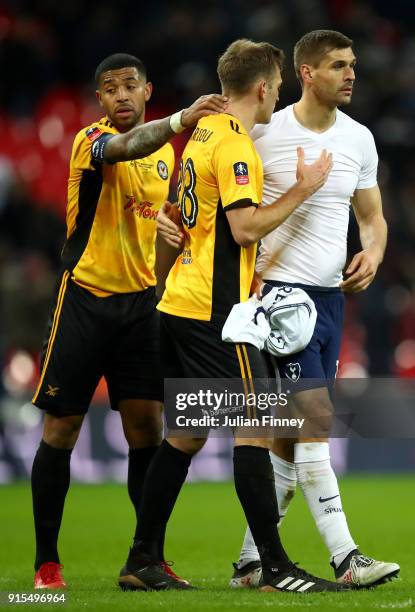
{"type": "Point", "coordinates": [204, 537]}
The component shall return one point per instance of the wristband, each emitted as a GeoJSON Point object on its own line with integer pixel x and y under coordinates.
{"type": "Point", "coordinates": [176, 122]}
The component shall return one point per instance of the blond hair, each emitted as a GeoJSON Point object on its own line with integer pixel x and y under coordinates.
{"type": "Point", "coordinates": [245, 61]}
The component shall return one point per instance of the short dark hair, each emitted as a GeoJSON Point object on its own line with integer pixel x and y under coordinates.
{"type": "Point", "coordinates": [120, 60]}
{"type": "Point", "coordinates": [245, 61]}
{"type": "Point", "coordinates": [313, 46]}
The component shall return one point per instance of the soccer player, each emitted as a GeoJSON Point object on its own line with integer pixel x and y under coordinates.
{"type": "Point", "coordinates": [219, 194]}
{"type": "Point", "coordinates": [104, 321]}
{"type": "Point", "coordinates": [309, 250]}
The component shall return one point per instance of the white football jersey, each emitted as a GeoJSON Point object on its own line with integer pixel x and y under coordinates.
{"type": "Point", "coordinates": [310, 247]}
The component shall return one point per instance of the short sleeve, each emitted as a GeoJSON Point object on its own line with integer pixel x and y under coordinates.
{"type": "Point", "coordinates": [235, 166]}
{"type": "Point", "coordinates": [368, 171]}
{"type": "Point", "coordinates": [88, 148]}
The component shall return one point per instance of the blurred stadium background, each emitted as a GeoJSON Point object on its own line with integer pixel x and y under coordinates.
{"type": "Point", "coordinates": [48, 55]}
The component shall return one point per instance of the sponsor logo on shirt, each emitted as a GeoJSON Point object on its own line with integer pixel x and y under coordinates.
{"type": "Point", "coordinates": [140, 209]}
{"type": "Point", "coordinates": [240, 170]}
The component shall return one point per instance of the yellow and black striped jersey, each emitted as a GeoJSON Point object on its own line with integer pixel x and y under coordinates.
{"type": "Point", "coordinates": [111, 215]}
{"type": "Point", "coordinates": [220, 170]}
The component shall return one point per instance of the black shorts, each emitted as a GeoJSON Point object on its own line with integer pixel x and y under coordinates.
{"type": "Point", "coordinates": [89, 337]}
{"type": "Point", "coordinates": [194, 349]}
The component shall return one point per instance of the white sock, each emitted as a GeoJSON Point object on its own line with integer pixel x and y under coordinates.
{"type": "Point", "coordinates": [319, 485]}
{"type": "Point", "coordinates": [285, 484]}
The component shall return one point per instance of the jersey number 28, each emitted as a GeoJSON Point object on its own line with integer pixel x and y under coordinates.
{"type": "Point", "coordinates": [189, 205]}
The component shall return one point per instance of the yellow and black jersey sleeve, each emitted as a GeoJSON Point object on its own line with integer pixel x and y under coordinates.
{"type": "Point", "coordinates": [235, 165]}
{"type": "Point", "coordinates": [86, 147]}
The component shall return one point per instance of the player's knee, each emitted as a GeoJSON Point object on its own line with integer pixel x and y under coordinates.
{"type": "Point", "coordinates": [315, 407]}
{"type": "Point", "coordinates": [62, 432]}
{"type": "Point", "coordinates": [321, 421]}
{"type": "Point", "coordinates": [145, 429]}
{"type": "Point", "coordinates": [142, 423]}
{"type": "Point", "coordinates": [317, 428]}
{"type": "Point", "coordinates": [190, 446]}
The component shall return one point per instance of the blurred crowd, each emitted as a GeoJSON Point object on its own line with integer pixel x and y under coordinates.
{"type": "Point", "coordinates": [48, 55]}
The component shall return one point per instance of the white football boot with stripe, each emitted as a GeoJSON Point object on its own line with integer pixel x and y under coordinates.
{"type": "Point", "coordinates": [361, 571]}
{"type": "Point", "coordinates": [293, 579]}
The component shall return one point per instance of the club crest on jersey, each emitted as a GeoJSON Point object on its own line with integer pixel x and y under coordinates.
{"type": "Point", "coordinates": [240, 170]}
{"type": "Point", "coordinates": [162, 170]}
{"type": "Point", "coordinates": [293, 371]}
{"type": "Point", "coordinates": [93, 133]}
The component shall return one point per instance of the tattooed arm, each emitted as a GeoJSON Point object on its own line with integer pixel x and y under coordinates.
{"type": "Point", "coordinates": [138, 142]}
{"type": "Point", "coordinates": [143, 140]}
